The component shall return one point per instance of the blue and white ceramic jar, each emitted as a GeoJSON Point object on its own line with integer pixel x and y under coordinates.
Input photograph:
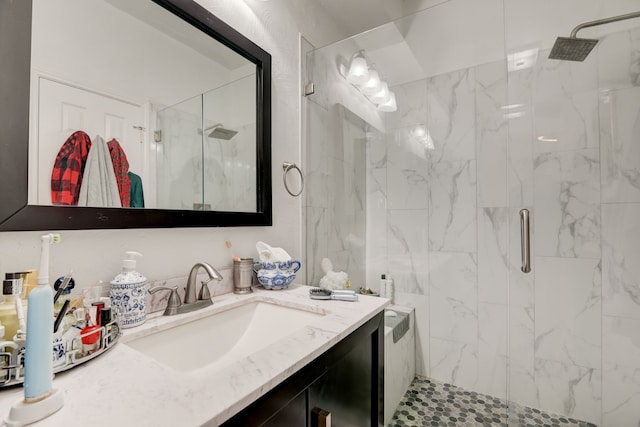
{"type": "Point", "coordinates": [129, 294]}
{"type": "Point", "coordinates": [276, 275]}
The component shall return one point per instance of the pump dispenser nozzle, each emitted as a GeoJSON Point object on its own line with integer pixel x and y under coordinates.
{"type": "Point", "coordinates": [129, 264]}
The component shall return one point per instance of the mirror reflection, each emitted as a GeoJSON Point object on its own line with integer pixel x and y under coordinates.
{"type": "Point", "coordinates": [132, 107]}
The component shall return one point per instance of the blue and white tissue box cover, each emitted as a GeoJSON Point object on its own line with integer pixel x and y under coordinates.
{"type": "Point", "coordinates": [276, 275]}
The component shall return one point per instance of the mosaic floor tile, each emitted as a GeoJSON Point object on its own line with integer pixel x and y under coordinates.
{"type": "Point", "coordinates": [432, 403]}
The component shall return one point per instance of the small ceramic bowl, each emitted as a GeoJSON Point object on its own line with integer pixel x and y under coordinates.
{"type": "Point", "coordinates": [276, 275]}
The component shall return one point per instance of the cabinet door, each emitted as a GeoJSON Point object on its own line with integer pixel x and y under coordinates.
{"type": "Point", "coordinates": [346, 390]}
{"type": "Point", "coordinates": [281, 408]}
{"type": "Point", "coordinates": [292, 415]}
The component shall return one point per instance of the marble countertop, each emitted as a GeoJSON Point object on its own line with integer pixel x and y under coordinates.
{"type": "Point", "coordinates": [125, 387]}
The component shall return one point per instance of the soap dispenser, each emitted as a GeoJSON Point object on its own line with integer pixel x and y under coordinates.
{"type": "Point", "coordinates": [10, 314]}
{"type": "Point", "coordinates": [129, 293]}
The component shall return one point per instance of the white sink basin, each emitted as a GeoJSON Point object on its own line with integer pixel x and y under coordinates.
{"type": "Point", "coordinates": [222, 338]}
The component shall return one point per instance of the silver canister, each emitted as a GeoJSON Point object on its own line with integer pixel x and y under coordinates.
{"type": "Point", "coordinates": [242, 275]}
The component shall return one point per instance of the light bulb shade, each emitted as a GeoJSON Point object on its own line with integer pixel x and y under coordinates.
{"type": "Point", "coordinates": [358, 73]}
{"type": "Point", "coordinates": [383, 95]}
{"type": "Point", "coordinates": [372, 86]}
{"type": "Point", "coordinates": [389, 106]}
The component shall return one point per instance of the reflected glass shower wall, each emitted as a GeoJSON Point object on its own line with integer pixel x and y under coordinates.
{"type": "Point", "coordinates": [487, 125]}
{"type": "Point", "coordinates": [179, 162]}
{"type": "Point", "coordinates": [199, 170]}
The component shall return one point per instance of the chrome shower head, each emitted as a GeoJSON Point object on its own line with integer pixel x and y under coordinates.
{"type": "Point", "coordinates": [218, 131]}
{"type": "Point", "coordinates": [573, 48]}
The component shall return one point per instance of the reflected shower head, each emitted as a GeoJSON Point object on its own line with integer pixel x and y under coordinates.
{"type": "Point", "coordinates": [573, 48]}
{"type": "Point", "coordinates": [218, 131]}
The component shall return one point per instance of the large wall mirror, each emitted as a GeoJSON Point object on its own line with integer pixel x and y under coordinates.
{"type": "Point", "coordinates": [130, 114]}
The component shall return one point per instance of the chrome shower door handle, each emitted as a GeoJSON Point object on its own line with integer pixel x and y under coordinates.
{"type": "Point", "coordinates": [525, 241]}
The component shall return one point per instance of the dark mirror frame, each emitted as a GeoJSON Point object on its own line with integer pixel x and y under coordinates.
{"type": "Point", "coordinates": [15, 70]}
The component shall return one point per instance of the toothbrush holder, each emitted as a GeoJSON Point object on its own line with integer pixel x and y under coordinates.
{"type": "Point", "coordinates": [242, 276]}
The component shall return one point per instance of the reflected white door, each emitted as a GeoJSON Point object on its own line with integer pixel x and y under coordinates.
{"type": "Point", "coordinates": [64, 109]}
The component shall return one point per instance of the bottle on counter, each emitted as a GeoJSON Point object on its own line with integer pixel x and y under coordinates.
{"type": "Point", "coordinates": [9, 316]}
{"type": "Point", "coordinates": [383, 286]}
{"type": "Point", "coordinates": [129, 293]}
{"type": "Point", "coordinates": [389, 288]}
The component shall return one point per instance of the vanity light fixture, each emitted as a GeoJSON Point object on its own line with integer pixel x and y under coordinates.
{"type": "Point", "coordinates": [367, 80]}
{"type": "Point", "coordinates": [389, 106]}
{"type": "Point", "coordinates": [383, 95]}
{"type": "Point", "coordinates": [372, 86]}
{"type": "Point", "coordinates": [358, 73]}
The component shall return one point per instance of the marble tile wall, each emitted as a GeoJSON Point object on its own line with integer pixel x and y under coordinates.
{"type": "Point", "coordinates": [562, 140]}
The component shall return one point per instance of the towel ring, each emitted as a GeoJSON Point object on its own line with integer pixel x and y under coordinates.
{"type": "Point", "coordinates": [286, 167]}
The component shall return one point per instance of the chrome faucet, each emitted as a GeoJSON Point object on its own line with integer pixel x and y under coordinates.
{"type": "Point", "coordinates": [191, 303]}
{"type": "Point", "coordinates": [190, 291]}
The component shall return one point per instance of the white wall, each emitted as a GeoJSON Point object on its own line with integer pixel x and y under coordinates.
{"type": "Point", "coordinates": [113, 52]}
{"type": "Point", "coordinates": [95, 254]}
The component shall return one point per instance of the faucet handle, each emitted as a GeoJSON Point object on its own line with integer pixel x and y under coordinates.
{"type": "Point", "coordinates": [204, 291]}
{"type": "Point", "coordinates": [174, 299]}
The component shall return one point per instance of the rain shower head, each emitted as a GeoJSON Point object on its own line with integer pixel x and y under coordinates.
{"type": "Point", "coordinates": [573, 48]}
{"type": "Point", "coordinates": [218, 131]}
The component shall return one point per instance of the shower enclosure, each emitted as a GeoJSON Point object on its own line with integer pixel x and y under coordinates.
{"type": "Point", "coordinates": [206, 158]}
{"type": "Point", "coordinates": [486, 126]}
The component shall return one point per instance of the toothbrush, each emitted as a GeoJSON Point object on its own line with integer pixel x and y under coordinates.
{"type": "Point", "coordinates": [229, 245]}
{"type": "Point", "coordinates": [47, 240]}
{"type": "Point", "coordinates": [40, 398]}
{"type": "Point", "coordinates": [61, 314]}
{"type": "Point", "coordinates": [62, 287]}
{"type": "Point", "coordinates": [38, 362]}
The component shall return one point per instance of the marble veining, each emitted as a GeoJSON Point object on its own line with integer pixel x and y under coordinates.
{"type": "Point", "coordinates": [493, 261]}
{"type": "Point", "coordinates": [452, 202]}
{"type": "Point", "coordinates": [125, 386]}
{"type": "Point", "coordinates": [568, 311]}
{"type": "Point", "coordinates": [565, 101]}
{"type": "Point", "coordinates": [453, 292]}
{"type": "Point", "coordinates": [411, 99]}
{"type": "Point", "coordinates": [491, 134]}
{"type": "Point", "coordinates": [569, 389]}
{"type": "Point", "coordinates": [451, 115]}
{"type": "Point", "coordinates": [408, 256]}
{"type": "Point", "coordinates": [454, 362]}
{"type": "Point", "coordinates": [492, 349]}
{"type": "Point", "coordinates": [620, 271]}
{"type": "Point", "coordinates": [567, 194]}
{"type": "Point", "coordinates": [407, 171]}
{"type": "Point", "coordinates": [620, 382]}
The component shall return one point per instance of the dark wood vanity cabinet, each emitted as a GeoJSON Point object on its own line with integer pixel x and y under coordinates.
{"type": "Point", "coordinates": [345, 385]}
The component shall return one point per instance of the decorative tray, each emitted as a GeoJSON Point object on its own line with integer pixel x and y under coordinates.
{"type": "Point", "coordinates": [68, 351]}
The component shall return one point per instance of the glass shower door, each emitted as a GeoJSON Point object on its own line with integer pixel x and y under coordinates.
{"type": "Point", "coordinates": [574, 160]}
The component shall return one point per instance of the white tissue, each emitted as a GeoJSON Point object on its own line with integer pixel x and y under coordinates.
{"type": "Point", "coordinates": [267, 253]}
